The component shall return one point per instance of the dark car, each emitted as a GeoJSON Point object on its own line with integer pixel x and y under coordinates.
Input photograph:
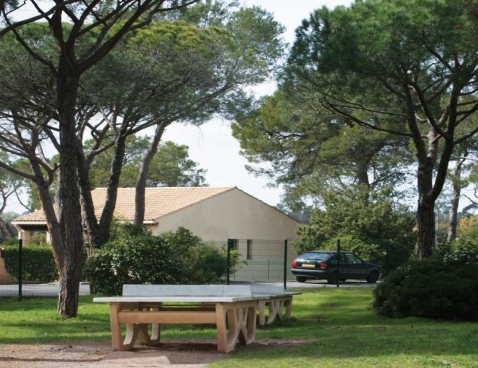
{"type": "Point", "coordinates": [322, 265]}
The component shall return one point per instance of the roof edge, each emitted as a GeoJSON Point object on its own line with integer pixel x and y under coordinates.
{"type": "Point", "coordinates": [267, 204]}
{"type": "Point", "coordinates": [227, 189]}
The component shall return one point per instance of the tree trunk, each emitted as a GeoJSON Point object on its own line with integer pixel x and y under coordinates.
{"type": "Point", "coordinates": [5, 230]}
{"type": "Point", "coordinates": [428, 191]}
{"type": "Point", "coordinates": [50, 215]}
{"type": "Point", "coordinates": [426, 202]}
{"type": "Point", "coordinates": [426, 227]}
{"type": "Point", "coordinates": [140, 194]}
{"type": "Point", "coordinates": [453, 220]}
{"type": "Point", "coordinates": [90, 223]}
{"type": "Point", "coordinates": [70, 252]}
{"type": "Point", "coordinates": [104, 228]}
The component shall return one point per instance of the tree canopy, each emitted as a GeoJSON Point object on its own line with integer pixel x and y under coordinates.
{"type": "Point", "coordinates": [71, 84]}
{"type": "Point", "coordinates": [170, 167]}
{"type": "Point", "coordinates": [72, 25]}
{"type": "Point", "coordinates": [403, 68]}
{"type": "Point", "coordinates": [312, 151]}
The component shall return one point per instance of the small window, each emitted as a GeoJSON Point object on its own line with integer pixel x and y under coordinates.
{"type": "Point", "coordinates": [235, 244]}
{"type": "Point", "coordinates": [249, 249]}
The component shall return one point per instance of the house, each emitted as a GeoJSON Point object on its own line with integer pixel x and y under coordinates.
{"type": "Point", "coordinates": [215, 214]}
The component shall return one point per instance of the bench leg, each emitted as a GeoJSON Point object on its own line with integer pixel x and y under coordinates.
{"type": "Point", "coordinates": [262, 312]}
{"type": "Point", "coordinates": [116, 338]}
{"type": "Point", "coordinates": [235, 322]}
{"type": "Point", "coordinates": [133, 330]}
{"type": "Point", "coordinates": [288, 307]}
{"type": "Point", "coordinates": [155, 331]}
{"type": "Point", "coordinates": [247, 333]}
{"type": "Point", "coordinates": [275, 308]}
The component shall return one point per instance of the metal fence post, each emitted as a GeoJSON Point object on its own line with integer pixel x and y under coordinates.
{"type": "Point", "coordinates": [20, 267]}
{"type": "Point", "coordinates": [338, 263]}
{"type": "Point", "coordinates": [285, 264]}
{"type": "Point", "coordinates": [387, 266]}
{"type": "Point", "coordinates": [228, 262]}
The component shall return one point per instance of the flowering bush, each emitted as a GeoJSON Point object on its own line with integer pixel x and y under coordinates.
{"type": "Point", "coordinates": [463, 253]}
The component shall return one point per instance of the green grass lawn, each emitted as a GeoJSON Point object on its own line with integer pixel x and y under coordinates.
{"type": "Point", "coordinates": [336, 325]}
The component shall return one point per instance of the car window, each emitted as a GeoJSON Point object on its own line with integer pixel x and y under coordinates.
{"type": "Point", "coordinates": [315, 256]}
{"type": "Point", "coordinates": [333, 259]}
{"type": "Point", "coordinates": [351, 258]}
{"type": "Point", "coordinates": [359, 260]}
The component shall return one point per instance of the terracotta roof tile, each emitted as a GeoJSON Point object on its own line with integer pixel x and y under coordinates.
{"type": "Point", "coordinates": [159, 202]}
{"type": "Point", "coordinates": [37, 216]}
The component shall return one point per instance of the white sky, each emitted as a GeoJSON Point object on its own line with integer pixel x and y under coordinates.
{"type": "Point", "coordinates": [212, 145]}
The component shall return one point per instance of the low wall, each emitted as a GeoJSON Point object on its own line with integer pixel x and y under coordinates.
{"type": "Point", "coordinates": [5, 277]}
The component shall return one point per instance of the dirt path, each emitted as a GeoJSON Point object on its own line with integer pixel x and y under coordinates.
{"type": "Point", "coordinates": [99, 355]}
{"type": "Point", "coordinates": [81, 354]}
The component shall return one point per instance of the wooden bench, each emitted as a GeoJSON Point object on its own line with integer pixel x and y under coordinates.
{"type": "Point", "coordinates": [232, 308]}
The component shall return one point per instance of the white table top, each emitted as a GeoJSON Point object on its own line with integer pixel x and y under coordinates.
{"type": "Point", "coordinates": [157, 299]}
{"type": "Point", "coordinates": [190, 299]}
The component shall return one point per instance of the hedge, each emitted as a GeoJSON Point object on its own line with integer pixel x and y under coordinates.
{"type": "Point", "coordinates": [38, 264]}
{"type": "Point", "coordinates": [443, 286]}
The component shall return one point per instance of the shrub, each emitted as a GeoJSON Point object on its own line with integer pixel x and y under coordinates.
{"type": "Point", "coordinates": [12, 242]}
{"type": "Point", "coordinates": [468, 227]}
{"type": "Point", "coordinates": [366, 221]}
{"type": "Point", "coordinates": [38, 263]}
{"type": "Point", "coordinates": [440, 287]}
{"type": "Point", "coordinates": [135, 256]}
{"type": "Point", "coordinates": [207, 265]}
{"type": "Point", "coordinates": [369, 252]}
{"type": "Point", "coordinates": [38, 238]}
{"type": "Point", "coordinates": [202, 263]}
{"type": "Point", "coordinates": [460, 252]}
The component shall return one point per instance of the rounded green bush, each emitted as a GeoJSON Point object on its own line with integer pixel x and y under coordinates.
{"type": "Point", "coordinates": [135, 256]}
{"type": "Point", "coordinates": [440, 287]}
{"type": "Point", "coordinates": [131, 259]}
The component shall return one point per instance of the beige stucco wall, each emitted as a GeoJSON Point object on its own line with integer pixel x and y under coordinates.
{"type": "Point", "coordinates": [266, 262]}
{"type": "Point", "coordinates": [231, 215]}
{"type": "Point", "coordinates": [237, 215]}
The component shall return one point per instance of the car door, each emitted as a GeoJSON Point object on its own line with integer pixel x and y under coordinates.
{"type": "Point", "coordinates": [344, 269]}
{"type": "Point", "coordinates": [356, 266]}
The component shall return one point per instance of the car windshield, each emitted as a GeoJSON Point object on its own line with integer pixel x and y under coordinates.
{"type": "Point", "coordinates": [315, 256]}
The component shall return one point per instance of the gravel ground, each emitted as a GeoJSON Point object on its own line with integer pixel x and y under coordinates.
{"type": "Point", "coordinates": [171, 354]}
{"type": "Point", "coordinates": [99, 355]}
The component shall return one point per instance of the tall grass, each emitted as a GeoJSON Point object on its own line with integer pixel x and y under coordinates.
{"type": "Point", "coordinates": [331, 327]}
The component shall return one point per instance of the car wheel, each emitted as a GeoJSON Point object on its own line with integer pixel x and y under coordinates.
{"type": "Point", "coordinates": [332, 278]}
{"type": "Point", "coordinates": [373, 277]}
{"type": "Point", "coordinates": [301, 279]}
